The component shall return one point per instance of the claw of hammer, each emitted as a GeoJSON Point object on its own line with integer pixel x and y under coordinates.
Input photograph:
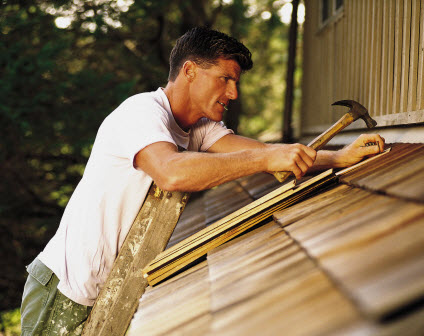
{"type": "Point", "coordinates": [357, 111]}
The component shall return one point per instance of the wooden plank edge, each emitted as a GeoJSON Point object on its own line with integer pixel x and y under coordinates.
{"type": "Point", "coordinates": [167, 256]}
{"type": "Point", "coordinates": [172, 267]}
{"type": "Point", "coordinates": [223, 221]}
{"type": "Point", "coordinates": [362, 163]}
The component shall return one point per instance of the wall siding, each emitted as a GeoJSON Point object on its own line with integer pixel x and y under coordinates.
{"type": "Point", "coordinates": [373, 52]}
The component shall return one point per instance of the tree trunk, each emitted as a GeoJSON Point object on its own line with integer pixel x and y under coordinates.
{"type": "Point", "coordinates": [287, 136]}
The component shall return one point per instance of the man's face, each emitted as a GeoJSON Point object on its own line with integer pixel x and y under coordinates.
{"type": "Point", "coordinates": [213, 88]}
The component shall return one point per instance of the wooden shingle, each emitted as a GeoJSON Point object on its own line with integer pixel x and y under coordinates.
{"type": "Point", "coordinates": [178, 307]}
{"type": "Point", "coordinates": [399, 173]}
{"type": "Point", "coordinates": [346, 261]}
{"type": "Point", "coordinates": [374, 247]}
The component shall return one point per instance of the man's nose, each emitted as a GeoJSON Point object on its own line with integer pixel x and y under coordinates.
{"type": "Point", "coordinates": [232, 92]}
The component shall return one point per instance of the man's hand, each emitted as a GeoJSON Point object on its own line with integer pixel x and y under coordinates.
{"type": "Point", "coordinates": [350, 154]}
{"type": "Point", "coordinates": [296, 158]}
{"type": "Point", "coordinates": [359, 150]}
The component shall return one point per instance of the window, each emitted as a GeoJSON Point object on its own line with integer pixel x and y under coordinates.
{"type": "Point", "coordinates": [325, 10]}
{"type": "Point", "coordinates": [329, 11]}
{"type": "Point", "coordinates": [338, 4]}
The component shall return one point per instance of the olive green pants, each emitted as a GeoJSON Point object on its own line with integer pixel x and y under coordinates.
{"type": "Point", "coordinates": [45, 310]}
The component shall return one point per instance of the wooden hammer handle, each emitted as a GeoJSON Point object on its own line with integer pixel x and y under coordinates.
{"type": "Point", "coordinates": [321, 140]}
{"type": "Point", "coordinates": [282, 175]}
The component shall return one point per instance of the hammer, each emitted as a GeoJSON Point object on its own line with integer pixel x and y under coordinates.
{"type": "Point", "coordinates": [356, 111]}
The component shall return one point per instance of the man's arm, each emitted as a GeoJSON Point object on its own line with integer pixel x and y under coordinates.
{"type": "Point", "coordinates": [233, 143]}
{"type": "Point", "coordinates": [192, 171]}
{"type": "Point", "coordinates": [325, 159]}
{"type": "Point", "coordinates": [233, 156]}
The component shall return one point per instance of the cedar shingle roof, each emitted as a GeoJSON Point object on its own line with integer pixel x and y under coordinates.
{"type": "Point", "coordinates": [347, 261]}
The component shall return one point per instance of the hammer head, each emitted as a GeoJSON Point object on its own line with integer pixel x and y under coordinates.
{"type": "Point", "coordinates": [357, 111]}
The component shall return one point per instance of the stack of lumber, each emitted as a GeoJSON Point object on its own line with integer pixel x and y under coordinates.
{"type": "Point", "coordinates": [259, 185]}
{"type": "Point", "coordinates": [232, 194]}
{"type": "Point", "coordinates": [196, 246]}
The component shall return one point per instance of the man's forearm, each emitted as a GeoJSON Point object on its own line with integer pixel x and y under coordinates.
{"type": "Point", "coordinates": [327, 159]}
{"type": "Point", "coordinates": [192, 171]}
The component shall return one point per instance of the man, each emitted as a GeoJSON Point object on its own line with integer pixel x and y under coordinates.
{"type": "Point", "coordinates": [173, 136]}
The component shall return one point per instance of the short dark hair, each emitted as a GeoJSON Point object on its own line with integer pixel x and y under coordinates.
{"type": "Point", "coordinates": [205, 46]}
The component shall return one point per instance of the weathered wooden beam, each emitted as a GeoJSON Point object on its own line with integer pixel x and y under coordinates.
{"type": "Point", "coordinates": [148, 236]}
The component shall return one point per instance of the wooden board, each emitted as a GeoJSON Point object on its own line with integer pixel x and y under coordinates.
{"type": "Point", "coordinates": [386, 260]}
{"type": "Point", "coordinates": [346, 260]}
{"type": "Point", "coordinates": [181, 306]}
{"type": "Point", "coordinates": [396, 153]}
{"type": "Point", "coordinates": [220, 202]}
{"type": "Point", "coordinates": [373, 247]}
{"type": "Point", "coordinates": [191, 221]}
{"type": "Point", "coordinates": [373, 53]}
{"type": "Point", "coordinates": [336, 197]}
{"type": "Point", "coordinates": [410, 187]}
{"type": "Point", "coordinates": [149, 234]}
{"type": "Point", "coordinates": [369, 162]}
{"type": "Point", "coordinates": [252, 263]}
{"type": "Point", "coordinates": [398, 173]}
{"type": "Point", "coordinates": [413, 57]}
{"type": "Point", "coordinates": [229, 227]}
{"type": "Point", "coordinates": [406, 49]}
{"type": "Point", "coordinates": [329, 219]}
{"type": "Point", "coordinates": [387, 57]}
{"type": "Point", "coordinates": [263, 283]}
{"type": "Point", "coordinates": [420, 79]}
{"type": "Point", "coordinates": [260, 184]}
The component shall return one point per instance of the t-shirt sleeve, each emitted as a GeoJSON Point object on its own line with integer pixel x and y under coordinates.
{"type": "Point", "coordinates": [206, 133]}
{"type": "Point", "coordinates": [140, 127]}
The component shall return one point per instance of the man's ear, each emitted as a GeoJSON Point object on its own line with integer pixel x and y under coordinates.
{"type": "Point", "coordinates": [189, 70]}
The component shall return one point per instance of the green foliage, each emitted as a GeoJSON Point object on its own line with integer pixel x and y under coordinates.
{"type": "Point", "coordinates": [58, 84]}
{"type": "Point", "coordinates": [262, 88]}
{"type": "Point", "coordinates": [10, 323]}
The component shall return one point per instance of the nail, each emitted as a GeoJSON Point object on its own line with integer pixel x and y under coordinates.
{"type": "Point", "coordinates": [368, 144]}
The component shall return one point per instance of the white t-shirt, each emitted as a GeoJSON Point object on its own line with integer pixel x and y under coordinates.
{"type": "Point", "coordinates": [108, 197]}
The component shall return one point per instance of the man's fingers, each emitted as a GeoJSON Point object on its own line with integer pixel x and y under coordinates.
{"type": "Point", "coordinates": [303, 168]}
{"type": "Point", "coordinates": [306, 159]}
{"type": "Point", "coordinates": [296, 158]}
{"type": "Point", "coordinates": [309, 158]}
{"type": "Point", "coordinates": [381, 144]}
{"type": "Point", "coordinates": [371, 150]}
{"type": "Point", "coordinates": [312, 153]}
{"type": "Point", "coordinates": [371, 140]}
{"type": "Point", "coordinates": [297, 172]}
{"type": "Point", "coordinates": [303, 160]}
